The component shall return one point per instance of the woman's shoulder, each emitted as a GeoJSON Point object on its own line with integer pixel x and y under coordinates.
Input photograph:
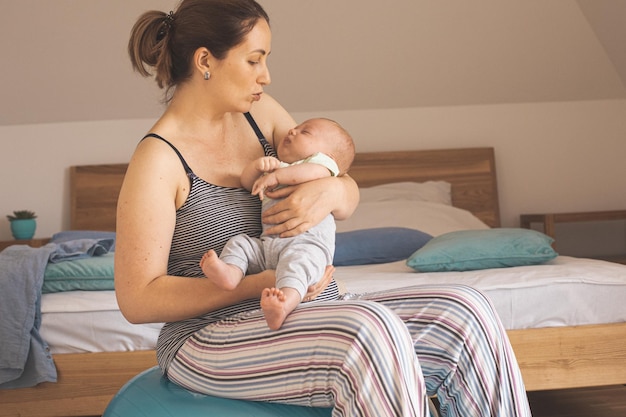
{"type": "Point", "coordinates": [155, 158]}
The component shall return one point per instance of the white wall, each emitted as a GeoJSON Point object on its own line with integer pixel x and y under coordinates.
{"type": "Point", "coordinates": [565, 156]}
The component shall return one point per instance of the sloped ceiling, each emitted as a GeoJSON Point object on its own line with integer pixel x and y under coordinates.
{"type": "Point", "coordinates": [65, 60]}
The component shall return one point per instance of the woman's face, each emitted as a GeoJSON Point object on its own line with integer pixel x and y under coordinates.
{"type": "Point", "coordinates": [241, 76]}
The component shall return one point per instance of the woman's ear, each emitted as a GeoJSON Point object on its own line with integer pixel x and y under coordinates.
{"type": "Point", "coordinates": [202, 61]}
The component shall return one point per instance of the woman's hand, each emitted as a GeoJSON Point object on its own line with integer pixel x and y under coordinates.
{"type": "Point", "coordinates": [316, 289]}
{"type": "Point", "coordinates": [305, 205]}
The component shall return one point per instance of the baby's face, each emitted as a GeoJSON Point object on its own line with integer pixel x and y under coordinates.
{"type": "Point", "coordinates": [314, 135]}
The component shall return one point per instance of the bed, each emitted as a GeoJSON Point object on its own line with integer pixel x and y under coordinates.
{"type": "Point", "coordinates": [584, 348]}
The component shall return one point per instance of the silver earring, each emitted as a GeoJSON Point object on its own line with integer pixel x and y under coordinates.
{"type": "Point", "coordinates": [207, 75]}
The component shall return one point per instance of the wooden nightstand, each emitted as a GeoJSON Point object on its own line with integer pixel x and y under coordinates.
{"type": "Point", "coordinates": [550, 219]}
{"type": "Point", "coordinates": [35, 243]}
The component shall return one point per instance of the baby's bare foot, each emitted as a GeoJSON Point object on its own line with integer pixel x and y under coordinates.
{"type": "Point", "coordinates": [274, 308]}
{"type": "Point", "coordinates": [220, 273]}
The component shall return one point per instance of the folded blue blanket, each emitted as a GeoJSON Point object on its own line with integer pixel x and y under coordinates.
{"type": "Point", "coordinates": [25, 359]}
{"type": "Point", "coordinates": [80, 248]}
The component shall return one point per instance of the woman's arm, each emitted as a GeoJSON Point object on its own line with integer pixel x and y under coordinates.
{"type": "Point", "coordinates": [146, 218]}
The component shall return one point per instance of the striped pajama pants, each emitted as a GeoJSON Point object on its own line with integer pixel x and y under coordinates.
{"type": "Point", "coordinates": [371, 355]}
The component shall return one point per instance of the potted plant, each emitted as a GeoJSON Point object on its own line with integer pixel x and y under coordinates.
{"type": "Point", "coordinates": [23, 224]}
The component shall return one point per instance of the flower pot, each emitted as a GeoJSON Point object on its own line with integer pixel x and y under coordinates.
{"type": "Point", "coordinates": [23, 229]}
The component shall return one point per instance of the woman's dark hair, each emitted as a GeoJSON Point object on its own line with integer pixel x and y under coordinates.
{"type": "Point", "coordinates": [166, 43]}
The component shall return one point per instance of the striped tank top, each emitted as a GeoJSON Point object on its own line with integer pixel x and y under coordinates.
{"type": "Point", "coordinates": [209, 217]}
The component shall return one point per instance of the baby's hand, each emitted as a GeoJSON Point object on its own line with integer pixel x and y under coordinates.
{"type": "Point", "coordinates": [267, 164]}
{"type": "Point", "coordinates": [267, 181]}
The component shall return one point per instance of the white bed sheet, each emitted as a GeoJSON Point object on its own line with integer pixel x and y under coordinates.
{"type": "Point", "coordinates": [566, 291]}
{"type": "Point", "coordinates": [90, 321]}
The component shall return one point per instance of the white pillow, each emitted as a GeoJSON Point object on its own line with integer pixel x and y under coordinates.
{"type": "Point", "coordinates": [432, 218]}
{"type": "Point", "coordinates": [435, 191]}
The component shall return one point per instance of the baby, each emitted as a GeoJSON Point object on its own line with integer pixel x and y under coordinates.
{"type": "Point", "coordinates": [315, 149]}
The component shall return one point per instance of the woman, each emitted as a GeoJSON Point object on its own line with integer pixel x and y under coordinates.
{"type": "Point", "coordinates": [371, 355]}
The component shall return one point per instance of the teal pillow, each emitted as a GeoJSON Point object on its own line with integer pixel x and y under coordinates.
{"type": "Point", "coordinates": [88, 274]}
{"type": "Point", "coordinates": [468, 250]}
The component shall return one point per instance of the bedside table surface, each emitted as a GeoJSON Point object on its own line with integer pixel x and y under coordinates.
{"type": "Point", "coordinates": [574, 216]}
{"type": "Point", "coordinates": [35, 243]}
{"type": "Point", "coordinates": [550, 219]}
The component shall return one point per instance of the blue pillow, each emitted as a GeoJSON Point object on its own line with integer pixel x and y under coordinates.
{"type": "Point", "coordinates": [468, 250]}
{"type": "Point", "coordinates": [378, 245]}
{"type": "Point", "coordinates": [87, 274]}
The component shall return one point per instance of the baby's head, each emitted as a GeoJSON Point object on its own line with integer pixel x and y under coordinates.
{"type": "Point", "coordinates": [318, 135]}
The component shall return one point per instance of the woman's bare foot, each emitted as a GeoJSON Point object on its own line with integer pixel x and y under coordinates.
{"type": "Point", "coordinates": [219, 272]}
{"type": "Point", "coordinates": [277, 304]}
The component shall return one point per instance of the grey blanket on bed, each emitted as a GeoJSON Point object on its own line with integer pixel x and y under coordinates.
{"type": "Point", "coordinates": [25, 358]}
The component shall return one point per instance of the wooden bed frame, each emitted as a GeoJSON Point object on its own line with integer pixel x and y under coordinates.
{"type": "Point", "coordinates": [550, 358]}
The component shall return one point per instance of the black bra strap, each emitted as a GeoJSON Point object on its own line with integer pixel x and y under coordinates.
{"type": "Point", "coordinates": [252, 122]}
{"type": "Point", "coordinates": [182, 160]}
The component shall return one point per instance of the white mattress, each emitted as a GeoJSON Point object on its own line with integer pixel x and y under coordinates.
{"type": "Point", "coordinates": [90, 321]}
{"type": "Point", "coordinates": [564, 292]}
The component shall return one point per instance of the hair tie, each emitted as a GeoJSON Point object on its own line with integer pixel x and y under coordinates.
{"type": "Point", "coordinates": [168, 21]}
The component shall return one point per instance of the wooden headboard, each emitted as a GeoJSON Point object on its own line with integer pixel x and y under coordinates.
{"type": "Point", "coordinates": [471, 171]}
{"type": "Point", "coordinates": [94, 188]}
{"type": "Point", "coordinates": [93, 196]}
